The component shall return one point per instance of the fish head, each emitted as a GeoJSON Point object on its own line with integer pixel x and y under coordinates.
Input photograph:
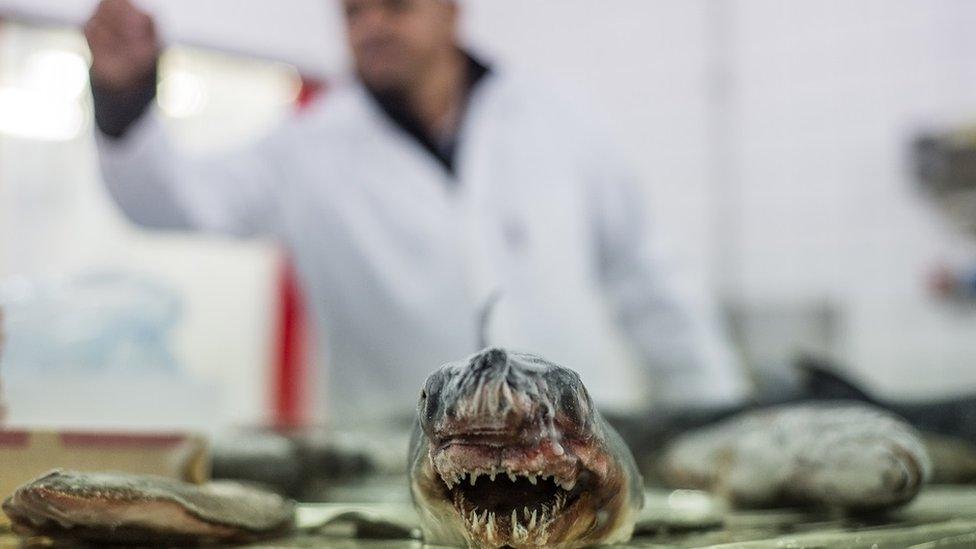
{"type": "Point", "coordinates": [514, 454]}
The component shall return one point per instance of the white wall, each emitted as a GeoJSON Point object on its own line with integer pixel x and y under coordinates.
{"type": "Point", "coordinates": [825, 97]}
{"type": "Point", "coordinates": [773, 137]}
{"type": "Point", "coordinates": [304, 33]}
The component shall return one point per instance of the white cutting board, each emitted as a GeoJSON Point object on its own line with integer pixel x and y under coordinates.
{"type": "Point", "coordinates": [305, 33]}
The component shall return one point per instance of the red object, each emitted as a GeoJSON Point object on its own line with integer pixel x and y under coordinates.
{"type": "Point", "coordinates": [291, 372]}
{"type": "Point", "coordinates": [291, 368]}
{"type": "Point", "coordinates": [15, 439]}
{"type": "Point", "coordinates": [310, 90]}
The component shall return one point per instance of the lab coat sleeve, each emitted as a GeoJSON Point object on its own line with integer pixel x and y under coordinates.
{"type": "Point", "coordinates": [158, 187]}
{"type": "Point", "coordinates": [687, 357]}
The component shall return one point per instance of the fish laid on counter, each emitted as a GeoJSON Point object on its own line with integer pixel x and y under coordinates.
{"type": "Point", "coordinates": [510, 452]}
{"type": "Point", "coordinates": [139, 509]}
{"type": "Point", "coordinates": [953, 417]}
{"type": "Point", "coordinates": [947, 426]}
{"type": "Point", "coordinates": [843, 455]}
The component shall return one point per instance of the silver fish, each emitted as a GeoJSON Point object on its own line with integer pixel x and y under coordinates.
{"type": "Point", "coordinates": [509, 451]}
{"type": "Point", "coordinates": [843, 455]}
{"type": "Point", "coordinates": [141, 509]}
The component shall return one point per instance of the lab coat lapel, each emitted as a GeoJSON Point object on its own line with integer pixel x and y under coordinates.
{"type": "Point", "coordinates": [431, 183]}
{"type": "Point", "coordinates": [477, 193]}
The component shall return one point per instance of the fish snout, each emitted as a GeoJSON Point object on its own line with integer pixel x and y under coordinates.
{"type": "Point", "coordinates": [491, 362]}
{"type": "Point", "coordinates": [492, 394]}
{"type": "Point", "coordinates": [501, 394]}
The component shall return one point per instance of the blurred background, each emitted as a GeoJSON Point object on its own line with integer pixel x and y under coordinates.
{"type": "Point", "coordinates": [796, 157]}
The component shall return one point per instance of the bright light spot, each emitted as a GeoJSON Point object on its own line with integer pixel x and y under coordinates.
{"type": "Point", "coordinates": [182, 95]}
{"type": "Point", "coordinates": [24, 113]}
{"type": "Point", "coordinates": [56, 73]}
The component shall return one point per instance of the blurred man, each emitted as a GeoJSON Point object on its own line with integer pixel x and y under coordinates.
{"type": "Point", "coordinates": [408, 197]}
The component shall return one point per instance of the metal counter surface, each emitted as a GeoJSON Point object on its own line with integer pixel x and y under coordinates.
{"type": "Point", "coordinates": [943, 516]}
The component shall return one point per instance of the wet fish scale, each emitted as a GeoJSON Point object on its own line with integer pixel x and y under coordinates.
{"type": "Point", "coordinates": [114, 506]}
{"type": "Point", "coordinates": [829, 454]}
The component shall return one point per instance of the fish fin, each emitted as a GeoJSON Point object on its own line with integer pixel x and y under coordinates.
{"type": "Point", "coordinates": [484, 318]}
{"type": "Point", "coordinates": [821, 380]}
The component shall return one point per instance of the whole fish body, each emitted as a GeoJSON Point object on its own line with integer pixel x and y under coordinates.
{"type": "Point", "coordinates": [140, 509]}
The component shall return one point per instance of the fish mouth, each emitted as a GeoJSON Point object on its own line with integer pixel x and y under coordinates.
{"type": "Point", "coordinates": [511, 496]}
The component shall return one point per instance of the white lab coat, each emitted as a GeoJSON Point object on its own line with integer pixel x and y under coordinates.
{"type": "Point", "coordinates": [397, 258]}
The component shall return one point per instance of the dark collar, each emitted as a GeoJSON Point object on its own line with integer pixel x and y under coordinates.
{"type": "Point", "coordinates": [397, 110]}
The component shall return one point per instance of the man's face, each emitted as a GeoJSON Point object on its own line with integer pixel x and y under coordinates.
{"type": "Point", "coordinates": [394, 42]}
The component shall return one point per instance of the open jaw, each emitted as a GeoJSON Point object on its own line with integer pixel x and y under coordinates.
{"type": "Point", "coordinates": [508, 451]}
{"type": "Point", "coordinates": [507, 496]}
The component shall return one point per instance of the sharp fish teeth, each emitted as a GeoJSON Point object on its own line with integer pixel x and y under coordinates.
{"type": "Point", "coordinates": [533, 519]}
{"type": "Point", "coordinates": [514, 520]}
{"type": "Point", "coordinates": [532, 478]}
{"type": "Point", "coordinates": [507, 395]}
{"type": "Point", "coordinates": [511, 476]}
{"type": "Point", "coordinates": [525, 512]}
{"type": "Point", "coordinates": [492, 475]}
{"type": "Point", "coordinates": [520, 533]}
{"type": "Point", "coordinates": [474, 477]}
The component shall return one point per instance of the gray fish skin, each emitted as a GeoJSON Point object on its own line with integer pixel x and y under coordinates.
{"type": "Point", "coordinates": [502, 432]}
{"type": "Point", "coordinates": [144, 509]}
{"type": "Point", "coordinates": [841, 455]}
